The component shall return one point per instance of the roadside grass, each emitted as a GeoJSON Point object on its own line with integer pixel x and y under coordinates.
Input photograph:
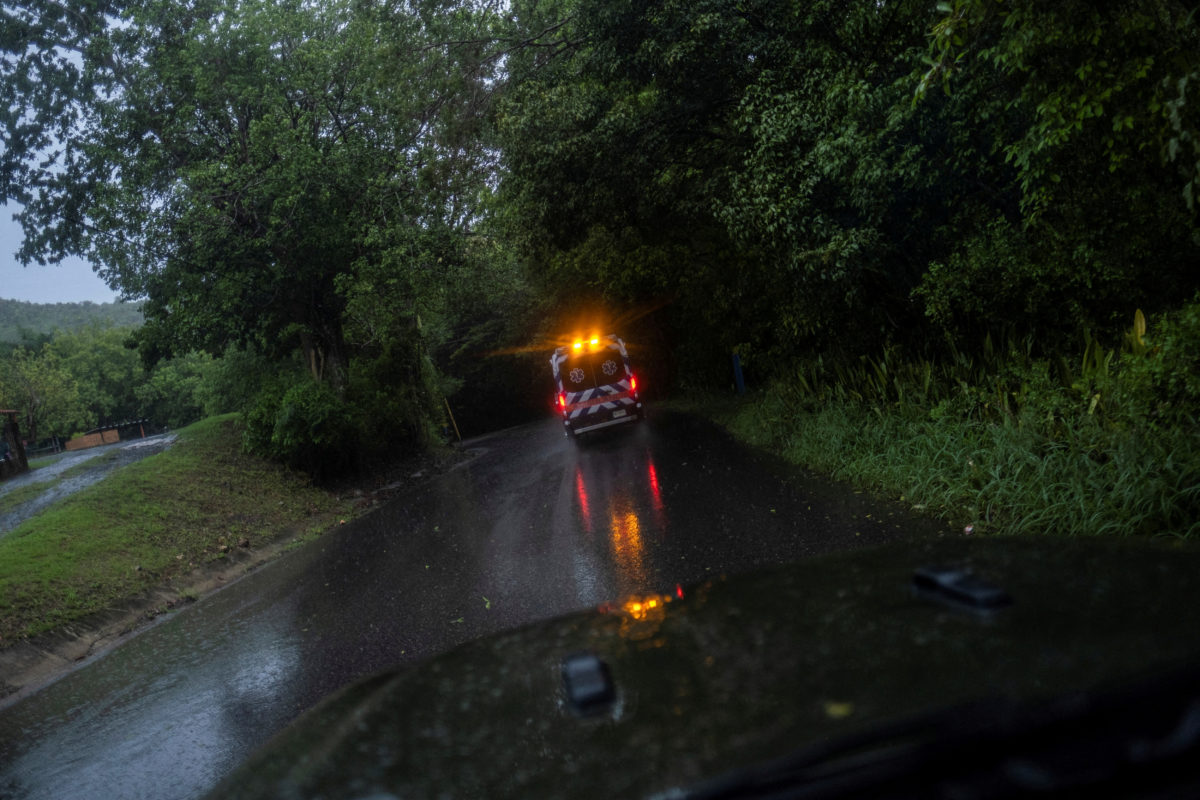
{"type": "Point", "coordinates": [998, 478]}
{"type": "Point", "coordinates": [149, 522]}
{"type": "Point", "coordinates": [1004, 443]}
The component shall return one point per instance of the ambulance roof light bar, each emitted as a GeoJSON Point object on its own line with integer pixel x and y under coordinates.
{"type": "Point", "coordinates": [595, 340]}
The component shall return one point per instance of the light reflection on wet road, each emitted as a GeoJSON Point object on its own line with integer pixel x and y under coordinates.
{"type": "Point", "coordinates": [530, 529]}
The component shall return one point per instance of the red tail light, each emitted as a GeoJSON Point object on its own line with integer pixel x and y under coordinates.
{"type": "Point", "coordinates": [632, 382]}
{"type": "Point", "coordinates": [562, 402]}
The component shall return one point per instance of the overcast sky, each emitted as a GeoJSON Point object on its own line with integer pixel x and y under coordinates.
{"type": "Point", "coordinates": [69, 282]}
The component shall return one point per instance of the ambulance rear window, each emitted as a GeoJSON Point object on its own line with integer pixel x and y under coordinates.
{"type": "Point", "coordinates": [589, 370]}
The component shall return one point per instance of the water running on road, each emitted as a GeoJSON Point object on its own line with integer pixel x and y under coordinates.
{"type": "Point", "coordinates": [93, 465]}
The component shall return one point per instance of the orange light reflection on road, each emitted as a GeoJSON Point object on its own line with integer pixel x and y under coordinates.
{"type": "Point", "coordinates": [624, 496]}
{"type": "Point", "coordinates": [625, 533]}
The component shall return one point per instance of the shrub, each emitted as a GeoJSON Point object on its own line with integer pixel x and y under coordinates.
{"type": "Point", "coordinates": [1102, 443]}
{"type": "Point", "coordinates": [307, 427]}
{"type": "Point", "coordinates": [1161, 371]}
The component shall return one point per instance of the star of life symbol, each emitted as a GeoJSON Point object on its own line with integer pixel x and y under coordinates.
{"type": "Point", "coordinates": [577, 375]}
{"type": "Point", "coordinates": [609, 367]}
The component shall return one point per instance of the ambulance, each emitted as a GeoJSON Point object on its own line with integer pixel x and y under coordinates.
{"type": "Point", "coordinates": [596, 386]}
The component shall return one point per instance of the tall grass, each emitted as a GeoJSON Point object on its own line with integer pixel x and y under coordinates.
{"type": "Point", "coordinates": [1102, 444]}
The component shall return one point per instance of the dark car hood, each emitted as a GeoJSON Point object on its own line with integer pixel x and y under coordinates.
{"type": "Point", "coordinates": [742, 670]}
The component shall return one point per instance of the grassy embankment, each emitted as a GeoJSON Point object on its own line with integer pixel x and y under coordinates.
{"type": "Point", "coordinates": [196, 503]}
{"type": "Point", "coordinates": [14, 498]}
{"type": "Point", "coordinates": [1103, 444]}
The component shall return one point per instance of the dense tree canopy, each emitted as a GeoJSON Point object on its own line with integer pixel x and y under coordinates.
{"type": "Point", "coordinates": [37, 385]}
{"type": "Point", "coordinates": [402, 185]}
{"type": "Point", "coordinates": [286, 180]}
{"type": "Point", "coordinates": [852, 174]}
{"type": "Point", "coordinates": [240, 164]}
{"type": "Point", "coordinates": [1085, 107]}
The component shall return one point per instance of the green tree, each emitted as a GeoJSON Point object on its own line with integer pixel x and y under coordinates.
{"type": "Point", "coordinates": [764, 168]}
{"type": "Point", "coordinates": [175, 392]}
{"type": "Point", "coordinates": [1087, 106]}
{"type": "Point", "coordinates": [756, 165]}
{"type": "Point", "coordinates": [236, 163]}
{"type": "Point", "coordinates": [36, 384]}
{"type": "Point", "coordinates": [105, 370]}
{"type": "Point", "coordinates": [1109, 78]}
{"type": "Point", "coordinates": [841, 185]}
{"type": "Point", "coordinates": [615, 137]}
{"type": "Point", "coordinates": [276, 179]}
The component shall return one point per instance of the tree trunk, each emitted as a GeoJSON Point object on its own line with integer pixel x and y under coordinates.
{"type": "Point", "coordinates": [12, 435]}
{"type": "Point", "coordinates": [31, 426]}
{"type": "Point", "coordinates": [326, 357]}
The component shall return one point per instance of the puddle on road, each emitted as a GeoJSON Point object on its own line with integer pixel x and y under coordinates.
{"type": "Point", "coordinates": [93, 466]}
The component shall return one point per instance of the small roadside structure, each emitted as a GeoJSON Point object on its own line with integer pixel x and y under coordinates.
{"type": "Point", "coordinates": [109, 434]}
{"type": "Point", "coordinates": [13, 460]}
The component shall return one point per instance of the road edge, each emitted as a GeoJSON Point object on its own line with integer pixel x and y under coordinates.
{"type": "Point", "coordinates": [30, 665]}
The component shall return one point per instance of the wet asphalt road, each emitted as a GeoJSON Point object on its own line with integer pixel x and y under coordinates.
{"type": "Point", "coordinates": [531, 528]}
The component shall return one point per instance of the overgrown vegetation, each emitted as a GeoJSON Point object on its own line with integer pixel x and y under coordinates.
{"type": "Point", "coordinates": [1105, 444]}
{"type": "Point", "coordinates": [796, 181]}
{"type": "Point", "coordinates": [151, 522]}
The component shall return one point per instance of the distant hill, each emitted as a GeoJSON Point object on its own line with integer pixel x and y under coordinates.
{"type": "Point", "coordinates": [44, 318]}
